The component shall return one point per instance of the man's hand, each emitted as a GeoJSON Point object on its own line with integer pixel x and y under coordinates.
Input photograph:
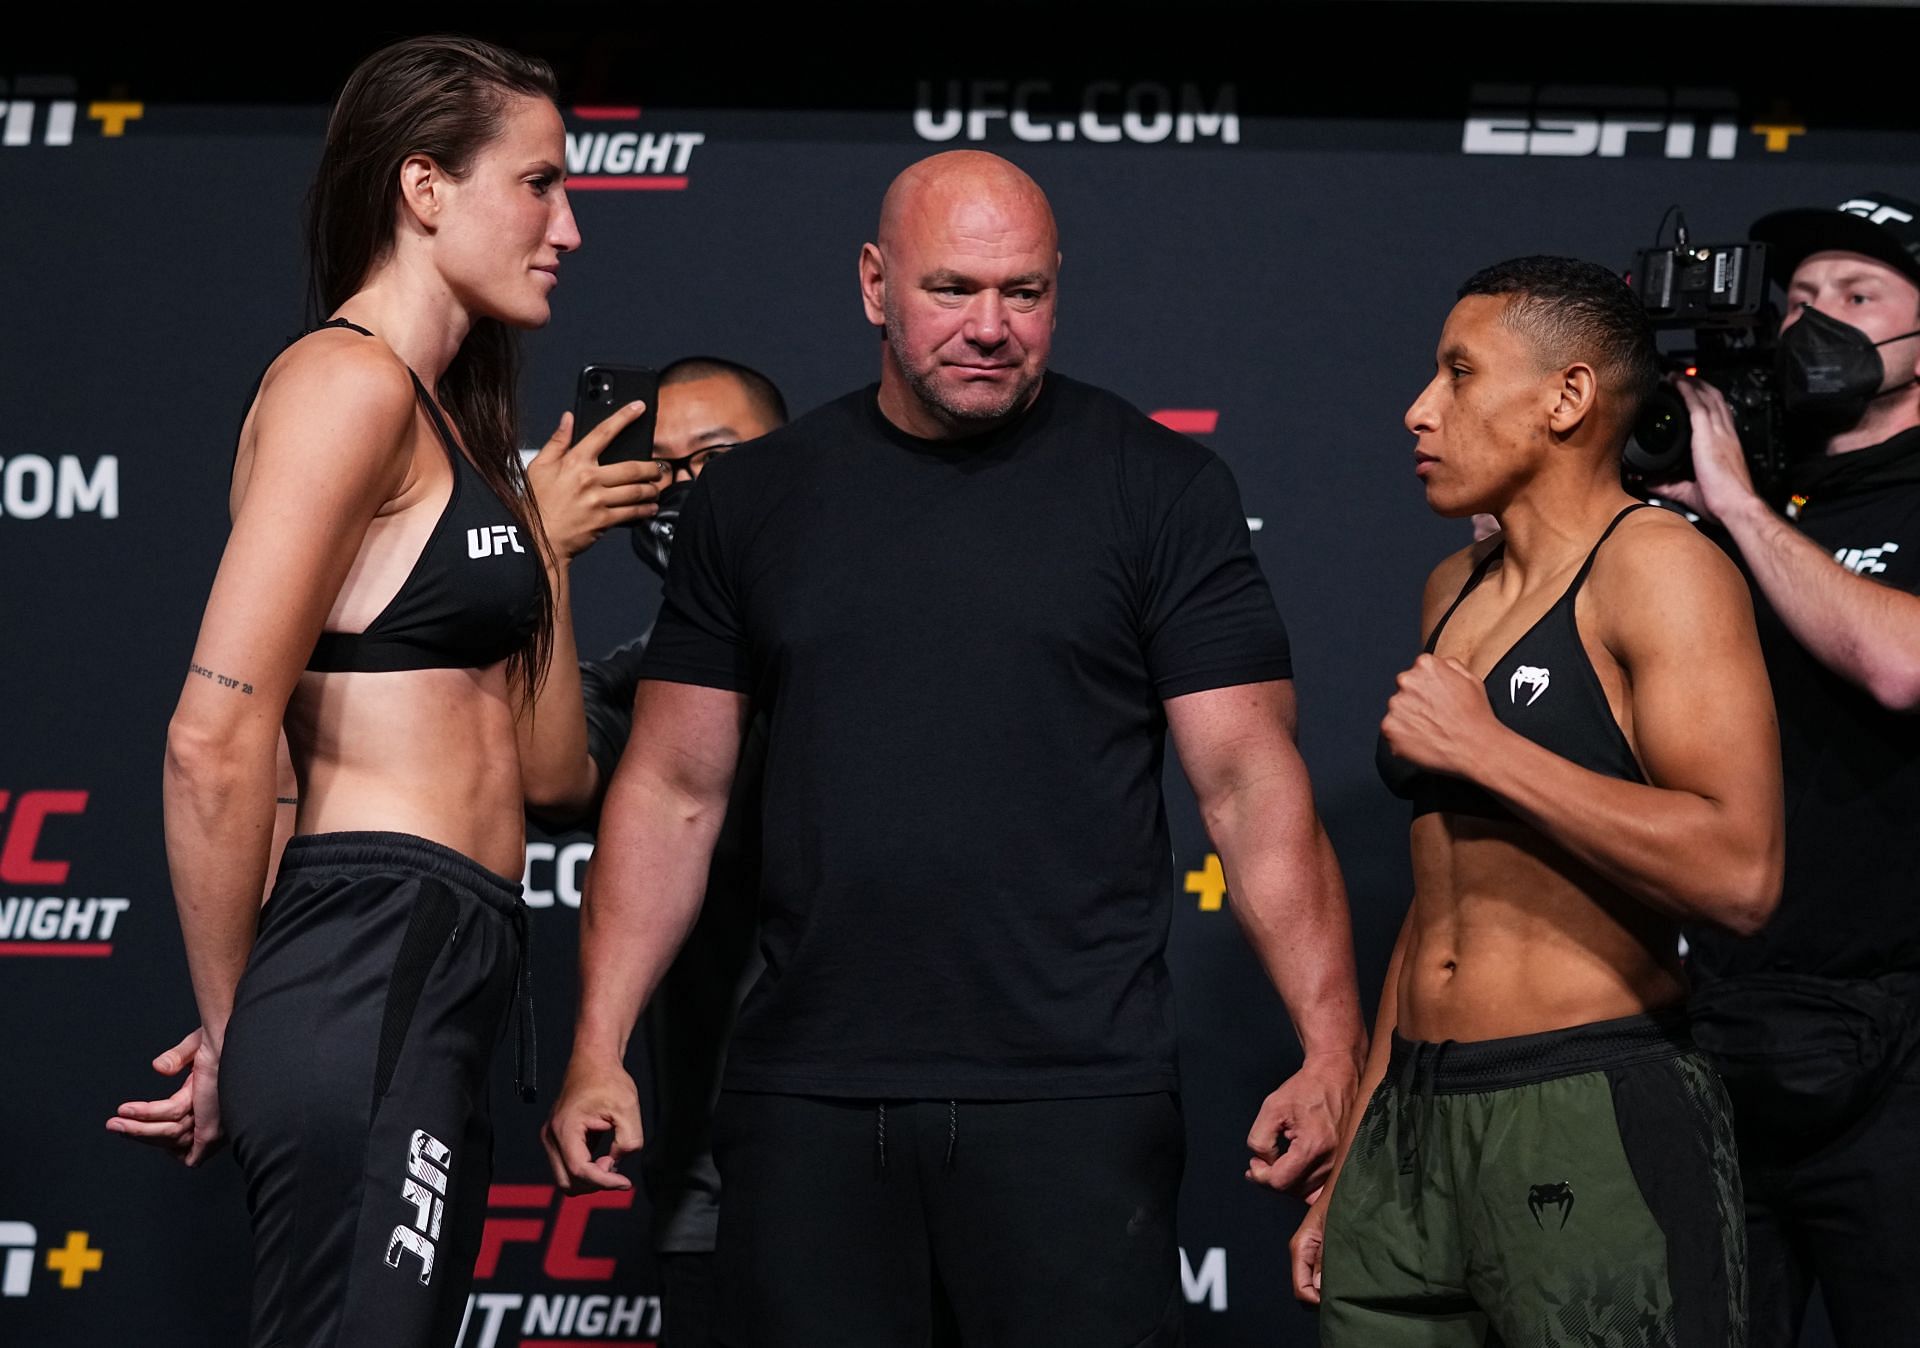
{"type": "Point", "coordinates": [1308, 1111]}
{"type": "Point", "coordinates": [579, 497]}
{"type": "Point", "coordinates": [1721, 478]}
{"type": "Point", "coordinates": [1439, 717]}
{"type": "Point", "coordinates": [592, 1100]}
{"type": "Point", "coordinates": [186, 1123]}
{"type": "Point", "coordinates": [1305, 1250]}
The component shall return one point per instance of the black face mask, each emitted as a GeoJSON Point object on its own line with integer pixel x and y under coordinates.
{"type": "Point", "coordinates": [1829, 372]}
{"type": "Point", "coordinates": [653, 537]}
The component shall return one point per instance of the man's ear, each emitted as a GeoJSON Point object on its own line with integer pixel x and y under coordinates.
{"type": "Point", "coordinates": [1575, 398]}
{"type": "Point", "coordinates": [873, 284]}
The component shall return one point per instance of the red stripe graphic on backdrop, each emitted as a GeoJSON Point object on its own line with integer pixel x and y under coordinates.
{"type": "Point", "coordinates": [607, 114]}
{"type": "Point", "coordinates": [519, 1195]}
{"type": "Point", "coordinates": [82, 948]}
{"type": "Point", "coordinates": [637, 183]}
{"type": "Point", "coordinates": [1186, 420]}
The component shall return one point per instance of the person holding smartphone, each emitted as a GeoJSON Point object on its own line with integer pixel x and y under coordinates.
{"type": "Point", "coordinates": [382, 597]}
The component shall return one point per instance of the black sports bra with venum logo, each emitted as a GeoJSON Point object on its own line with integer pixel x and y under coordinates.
{"type": "Point", "coordinates": [473, 596]}
{"type": "Point", "coordinates": [1545, 688]}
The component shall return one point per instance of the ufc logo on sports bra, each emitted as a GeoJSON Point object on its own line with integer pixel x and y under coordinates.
{"type": "Point", "coordinates": [493, 542]}
{"type": "Point", "coordinates": [427, 1159]}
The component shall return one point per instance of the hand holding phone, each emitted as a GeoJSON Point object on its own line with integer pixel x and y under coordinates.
{"type": "Point", "coordinates": [597, 468]}
{"type": "Point", "coordinates": [604, 390]}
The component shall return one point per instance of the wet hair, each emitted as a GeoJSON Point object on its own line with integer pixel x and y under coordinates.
{"type": "Point", "coordinates": [1578, 311]}
{"type": "Point", "coordinates": [446, 98]}
{"type": "Point", "coordinates": [762, 392]}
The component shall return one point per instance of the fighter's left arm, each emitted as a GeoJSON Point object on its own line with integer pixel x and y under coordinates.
{"type": "Point", "coordinates": [1703, 838]}
{"type": "Point", "coordinates": [1867, 633]}
{"type": "Point", "coordinates": [1237, 747]}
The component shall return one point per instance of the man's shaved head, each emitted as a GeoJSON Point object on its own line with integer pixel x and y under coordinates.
{"type": "Point", "coordinates": [961, 279]}
{"type": "Point", "coordinates": [957, 181]}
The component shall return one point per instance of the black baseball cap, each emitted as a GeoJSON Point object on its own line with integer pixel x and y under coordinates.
{"type": "Point", "coordinates": [1878, 225]}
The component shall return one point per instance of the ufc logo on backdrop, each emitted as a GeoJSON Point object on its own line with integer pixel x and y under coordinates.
{"type": "Point", "coordinates": [19, 864]}
{"type": "Point", "coordinates": [427, 1157]}
{"type": "Point", "coordinates": [493, 542]}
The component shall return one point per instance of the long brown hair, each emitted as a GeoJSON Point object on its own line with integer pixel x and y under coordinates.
{"type": "Point", "coordinates": [443, 97]}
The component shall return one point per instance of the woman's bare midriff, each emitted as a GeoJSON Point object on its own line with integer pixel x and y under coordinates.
{"type": "Point", "coordinates": [429, 752]}
{"type": "Point", "coordinates": [1510, 936]}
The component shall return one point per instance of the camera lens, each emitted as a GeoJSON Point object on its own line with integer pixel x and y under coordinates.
{"type": "Point", "coordinates": [1662, 441]}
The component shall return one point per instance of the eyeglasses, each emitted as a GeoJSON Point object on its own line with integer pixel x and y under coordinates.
{"type": "Point", "coordinates": [691, 464]}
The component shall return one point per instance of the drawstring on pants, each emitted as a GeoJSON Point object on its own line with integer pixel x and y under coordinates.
{"type": "Point", "coordinates": [880, 1135]}
{"type": "Point", "coordinates": [1411, 1091]}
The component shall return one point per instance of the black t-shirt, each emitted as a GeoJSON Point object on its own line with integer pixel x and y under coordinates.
{"type": "Point", "coordinates": [962, 649]}
{"type": "Point", "coordinates": [1850, 907]}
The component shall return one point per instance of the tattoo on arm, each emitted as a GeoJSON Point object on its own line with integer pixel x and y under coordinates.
{"type": "Point", "coordinates": [220, 679]}
{"type": "Point", "coordinates": [286, 800]}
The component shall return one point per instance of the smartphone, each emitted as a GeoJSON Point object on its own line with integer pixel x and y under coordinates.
{"type": "Point", "coordinates": [604, 390]}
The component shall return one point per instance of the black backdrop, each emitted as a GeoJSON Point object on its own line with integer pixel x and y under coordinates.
{"type": "Point", "coordinates": [1262, 233]}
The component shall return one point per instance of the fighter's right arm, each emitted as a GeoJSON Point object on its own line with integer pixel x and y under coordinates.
{"type": "Point", "coordinates": [331, 433]}
{"type": "Point", "coordinates": [662, 814]}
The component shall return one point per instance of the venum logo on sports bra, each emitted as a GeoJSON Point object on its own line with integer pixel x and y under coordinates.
{"type": "Point", "coordinates": [1535, 677]}
{"type": "Point", "coordinates": [493, 541]}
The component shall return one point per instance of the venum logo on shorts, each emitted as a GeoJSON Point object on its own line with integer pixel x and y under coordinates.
{"type": "Point", "coordinates": [493, 541]}
{"type": "Point", "coordinates": [1543, 1196]}
{"type": "Point", "coordinates": [426, 1188]}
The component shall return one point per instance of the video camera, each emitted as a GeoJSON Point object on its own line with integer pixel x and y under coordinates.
{"type": "Point", "coordinates": [1716, 293]}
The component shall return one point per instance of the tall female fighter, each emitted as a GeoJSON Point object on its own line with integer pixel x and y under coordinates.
{"type": "Point", "coordinates": [1589, 745]}
{"type": "Point", "coordinates": [383, 596]}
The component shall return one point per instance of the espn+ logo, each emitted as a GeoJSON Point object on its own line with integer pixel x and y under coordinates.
{"type": "Point", "coordinates": [45, 110]}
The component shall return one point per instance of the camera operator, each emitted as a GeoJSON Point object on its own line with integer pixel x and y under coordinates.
{"type": "Point", "coordinates": [1812, 1021]}
{"type": "Point", "coordinates": [706, 406]}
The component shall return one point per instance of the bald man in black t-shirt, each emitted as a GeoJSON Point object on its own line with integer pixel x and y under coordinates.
{"type": "Point", "coordinates": [970, 602]}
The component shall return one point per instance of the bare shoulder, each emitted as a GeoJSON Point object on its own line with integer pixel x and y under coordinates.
{"type": "Point", "coordinates": [334, 379]}
{"type": "Point", "coordinates": [1658, 573]}
{"type": "Point", "coordinates": [1447, 579]}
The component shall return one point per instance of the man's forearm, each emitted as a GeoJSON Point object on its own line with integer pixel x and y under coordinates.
{"type": "Point", "coordinates": [1290, 901]}
{"type": "Point", "coordinates": [1866, 633]}
{"type": "Point", "coordinates": [643, 892]}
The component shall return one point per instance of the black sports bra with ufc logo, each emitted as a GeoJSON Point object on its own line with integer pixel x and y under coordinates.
{"type": "Point", "coordinates": [473, 595]}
